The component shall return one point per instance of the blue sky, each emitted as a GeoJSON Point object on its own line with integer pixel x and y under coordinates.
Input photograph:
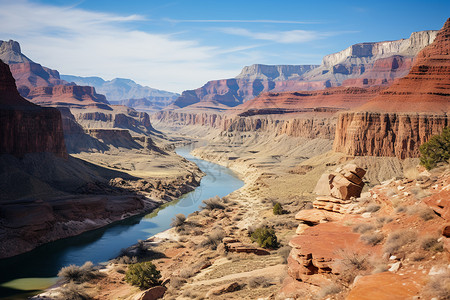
{"type": "Point", "coordinates": [179, 45]}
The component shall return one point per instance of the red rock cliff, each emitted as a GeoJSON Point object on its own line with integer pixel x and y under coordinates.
{"type": "Point", "coordinates": [401, 118]}
{"type": "Point", "coordinates": [26, 127]}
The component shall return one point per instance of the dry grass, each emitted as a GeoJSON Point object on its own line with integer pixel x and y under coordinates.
{"type": "Point", "coordinates": [213, 203]}
{"type": "Point", "coordinates": [284, 253]}
{"type": "Point", "coordinates": [178, 220]}
{"type": "Point", "coordinates": [372, 238]}
{"type": "Point", "coordinates": [424, 212]}
{"type": "Point", "coordinates": [438, 287]}
{"type": "Point", "coordinates": [259, 281]}
{"type": "Point", "coordinates": [79, 274]}
{"type": "Point", "coordinates": [72, 291]}
{"type": "Point", "coordinates": [372, 208]}
{"type": "Point", "coordinates": [352, 264]}
{"type": "Point", "coordinates": [397, 239]}
{"type": "Point", "coordinates": [213, 239]}
{"type": "Point", "coordinates": [328, 290]}
{"type": "Point", "coordinates": [363, 228]}
{"type": "Point", "coordinates": [384, 220]}
{"type": "Point", "coordinates": [431, 243]}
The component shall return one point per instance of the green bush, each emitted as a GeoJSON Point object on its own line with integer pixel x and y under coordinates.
{"type": "Point", "coordinates": [278, 209]}
{"type": "Point", "coordinates": [265, 237]}
{"type": "Point", "coordinates": [436, 150]}
{"type": "Point", "coordinates": [143, 275]}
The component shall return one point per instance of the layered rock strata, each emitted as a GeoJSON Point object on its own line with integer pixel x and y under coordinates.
{"type": "Point", "coordinates": [401, 118]}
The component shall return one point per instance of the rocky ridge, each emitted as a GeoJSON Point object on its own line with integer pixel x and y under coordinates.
{"type": "Point", "coordinates": [405, 115]}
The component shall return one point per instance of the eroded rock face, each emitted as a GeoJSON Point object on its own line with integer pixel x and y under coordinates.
{"type": "Point", "coordinates": [390, 124]}
{"type": "Point", "coordinates": [386, 134]}
{"type": "Point", "coordinates": [27, 128]}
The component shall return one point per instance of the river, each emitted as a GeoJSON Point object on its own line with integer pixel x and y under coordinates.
{"type": "Point", "coordinates": [26, 274]}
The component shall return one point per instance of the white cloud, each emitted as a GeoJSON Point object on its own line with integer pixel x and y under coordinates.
{"type": "Point", "coordinates": [80, 42]}
{"type": "Point", "coordinates": [240, 21]}
{"type": "Point", "coordinates": [284, 37]}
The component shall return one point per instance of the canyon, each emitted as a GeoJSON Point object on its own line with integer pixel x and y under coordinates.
{"type": "Point", "coordinates": [335, 145]}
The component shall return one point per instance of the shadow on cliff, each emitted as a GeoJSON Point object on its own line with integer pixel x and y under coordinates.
{"type": "Point", "coordinates": [37, 176]}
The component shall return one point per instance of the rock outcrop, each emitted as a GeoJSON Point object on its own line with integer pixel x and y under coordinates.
{"type": "Point", "coordinates": [404, 116]}
{"type": "Point", "coordinates": [62, 95]}
{"type": "Point", "coordinates": [362, 65]}
{"type": "Point", "coordinates": [274, 72]}
{"type": "Point", "coordinates": [26, 127]}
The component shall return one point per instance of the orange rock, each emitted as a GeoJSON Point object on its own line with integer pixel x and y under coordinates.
{"type": "Point", "coordinates": [385, 286]}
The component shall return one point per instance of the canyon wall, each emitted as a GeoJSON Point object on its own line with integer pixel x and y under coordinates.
{"type": "Point", "coordinates": [27, 128]}
{"type": "Point", "coordinates": [402, 117]}
{"type": "Point", "coordinates": [386, 134]}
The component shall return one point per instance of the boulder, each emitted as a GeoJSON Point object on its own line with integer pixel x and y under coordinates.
{"type": "Point", "coordinates": [153, 293]}
{"type": "Point", "coordinates": [343, 188]}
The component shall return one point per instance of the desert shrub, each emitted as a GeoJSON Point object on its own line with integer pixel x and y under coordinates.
{"type": "Point", "coordinates": [372, 208]}
{"type": "Point", "coordinates": [278, 209]}
{"type": "Point", "coordinates": [372, 238]}
{"type": "Point", "coordinates": [259, 281]}
{"type": "Point", "coordinates": [79, 274]}
{"type": "Point", "coordinates": [436, 150]}
{"type": "Point", "coordinates": [398, 239]}
{"type": "Point", "coordinates": [187, 273]}
{"type": "Point", "coordinates": [284, 253]}
{"type": "Point", "coordinates": [177, 282]}
{"type": "Point", "coordinates": [384, 220]}
{"type": "Point", "coordinates": [438, 287]}
{"type": "Point", "coordinates": [327, 290]}
{"type": "Point", "coordinates": [178, 220]}
{"type": "Point", "coordinates": [424, 212]}
{"type": "Point", "coordinates": [431, 243]}
{"type": "Point", "coordinates": [351, 264]}
{"type": "Point", "coordinates": [126, 260]}
{"type": "Point", "coordinates": [143, 275]}
{"type": "Point", "coordinates": [265, 237]}
{"type": "Point", "coordinates": [213, 203]}
{"type": "Point", "coordinates": [72, 291]}
{"type": "Point", "coordinates": [213, 239]}
{"type": "Point", "coordinates": [401, 209]}
{"type": "Point", "coordinates": [363, 228]}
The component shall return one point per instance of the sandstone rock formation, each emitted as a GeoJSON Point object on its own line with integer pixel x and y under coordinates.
{"type": "Point", "coordinates": [363, 65]}
{"type": "Point", "coordinates": [26, 127]}
{"type": "Point", "coordinates": [74, 96]}
{"type": "Point", "coordinates": [401, 118]}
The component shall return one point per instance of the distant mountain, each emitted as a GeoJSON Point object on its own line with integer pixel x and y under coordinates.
{"type": "Point", "coordinates": [360, 65]}
{"type": "Point", "coordinates": [121, 91]}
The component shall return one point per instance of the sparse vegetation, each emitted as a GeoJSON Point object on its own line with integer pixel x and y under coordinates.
{"type": "Point", "coordinates": [278, 209]}
{"type": "Point", "coordinates": [143, 275]}
{"type": "Point", "coordinates": [373, 208]}
{"type": "Point", "coordinates": [398, 239]}
{"type": "Point", "coordinates": [352, 264]}
{"type": "Point", "coordinates": [363, 228]}
{"type": "Point", "coordinates": [431, 243]}
{"type": "Point", "coordinates": [213, 203]}
{"type": "Point", "coordinates": [384, 220]}
{"type": "Point", "coordinates": [424, 212]}
{"type": "Point", "coordinates": [213, 239]}
{"type": "Point", "coordinates": [178, 220]}
{"type": "Point", "coordinates": [259, 281]}
{"type": "Point", "coordinates": [327, 290]}
{"type": "Point", "coordinates": [436, 150]}
{"type": "Point", "coordinates": [438, 287]}
{"type": "Point", "coordinates": [72, 291]}
{"type": "Point", "coordinates": [284, 253]}
{"type": "Point", "coordinates": [372, 238]}
{"type": "Point", "coordinates": [79, 274]}
{"type": "Point", "coordinates": [265, 237]}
